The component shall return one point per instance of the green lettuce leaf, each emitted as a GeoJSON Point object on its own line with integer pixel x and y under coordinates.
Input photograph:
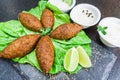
{"type": "Point", "coordinates": [13, 29]}
{"type": "Point", "coordinates": [81, 38]}
{"type": "Point", "coordinates": [61, 48]}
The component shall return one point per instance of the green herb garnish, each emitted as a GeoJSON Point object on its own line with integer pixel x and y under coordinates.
{"type": "Point", "coordinates": [45, 31]}
{"type": "Point", "coordinates": [69, 2]}
{"type": "Point", "coordinates": [102, 29]}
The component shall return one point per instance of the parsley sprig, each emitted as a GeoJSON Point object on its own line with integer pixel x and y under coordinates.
{"type": "Point", "coordinates": [102, 29]}
{"type": "Point", "coordinates": [45, 31]}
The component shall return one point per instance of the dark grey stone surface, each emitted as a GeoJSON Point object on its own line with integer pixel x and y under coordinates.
{"type": "Point", "coordinates": [102, 61]}
{"type": "Point", "coordinates": [115, 73]}
{"type": "Point", "coordinates": [7, 72]}
{"type": "Point", "coordinates": [29, 72]}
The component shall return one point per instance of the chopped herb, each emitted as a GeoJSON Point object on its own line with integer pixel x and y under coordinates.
{"type": "Point", "coordinates": [82, 11]}
{"type": "Point", "coordinates": [69, 2]}
{"type": "Point", "coordinates": [91, 16]}
{"type": "Point", "coordinates": [87, 10]}
{"type": "Point", "coordinates": [102, 29]}
{"type": "Point", "coordinates": [86, 13]}
{"type": "Point", "coordinates": [45, 31]}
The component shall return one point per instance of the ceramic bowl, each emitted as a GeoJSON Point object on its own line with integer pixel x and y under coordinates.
{"type": "Point", "coordinates": [79, 14]}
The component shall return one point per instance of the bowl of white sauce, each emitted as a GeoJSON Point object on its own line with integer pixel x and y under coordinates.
{"type": "Point", "coordinates": [85, 14]}
{"type": "Point", "coordinates": [64, 5]}
{"type": "Point", "coordinates": [111, 38]}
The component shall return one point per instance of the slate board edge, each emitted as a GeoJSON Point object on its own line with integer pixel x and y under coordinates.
{"type": "Point", "coordinates": [110, 64]}
{"type": "Point", "coordinates": [109, 69]}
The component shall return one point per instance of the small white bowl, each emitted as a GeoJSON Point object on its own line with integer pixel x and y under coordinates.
{"type": "Point", "coordinates": [81, 14]}
{"type": "Point", "coordinates": [61, 6]}
{"type": "Point", "coordinates": [112, 38]}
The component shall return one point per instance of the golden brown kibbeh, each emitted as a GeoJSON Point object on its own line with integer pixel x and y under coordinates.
{"type": "Point", "coordinates": [29, 21]}
{"type": "Point", "coordinates": [0, 54]}
{"type": "Point", "coordinates": [45, 53]}
{"type": "Point", "coordinates": [66, 31]}
{"type": "Point", "coordinates": [47, 18]}
{"type": "Point", "coordinates": [20, 46]}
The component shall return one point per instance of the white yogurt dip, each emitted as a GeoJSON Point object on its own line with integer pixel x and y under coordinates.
{"type": "Point", "coordinates": [112, 32]}
{"type": "Point", "coordinates": [85, 14]}
{"type": "Point", "coordinates": [62, 5]}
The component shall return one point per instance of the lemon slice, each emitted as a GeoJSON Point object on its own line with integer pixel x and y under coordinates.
{"type": "Point", "coordinates": [84, 59]}
{"type": "Point", "coordinates": [71, 59]}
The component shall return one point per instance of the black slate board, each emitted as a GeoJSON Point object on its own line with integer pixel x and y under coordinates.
{"type": "Point", "coordinates": [102, 61]}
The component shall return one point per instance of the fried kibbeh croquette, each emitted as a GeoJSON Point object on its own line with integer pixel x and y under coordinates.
{"type": "Point", "coordinates": [47, 18]}
{"type": "Point", "coordinates": [45, 53]}
{"type": "Point", "coordinates": [30, 21]}
{"type": "Point", "coordinates": [0, 54]}
{"type": "Point", "coordinates": [66, 31]}
{"type": "Point", "coordinates": [20, 47]}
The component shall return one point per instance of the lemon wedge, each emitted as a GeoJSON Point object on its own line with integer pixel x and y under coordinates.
{"type": "Point", "coordinates": [71, 59]}
{"type": "Point", "coordinates": [84, 59]}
